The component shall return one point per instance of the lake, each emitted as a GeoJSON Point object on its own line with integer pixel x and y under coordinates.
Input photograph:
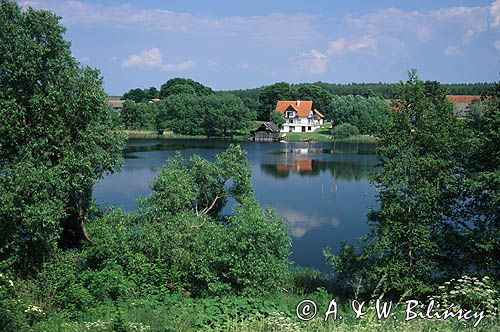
{"type": "Point", "coordinates": [322, 190]}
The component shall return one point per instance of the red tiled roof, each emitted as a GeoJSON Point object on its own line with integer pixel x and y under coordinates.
{"type": "Point", "coordinates": [459, 99]}
{"type": "Point", "coordinates": [319, 113]}
{"type": "Point", "coordinates": [303, 109]}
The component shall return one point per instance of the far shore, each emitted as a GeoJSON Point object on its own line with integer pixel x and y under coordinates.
{"type": "Point", "coordinates": [289, 137]}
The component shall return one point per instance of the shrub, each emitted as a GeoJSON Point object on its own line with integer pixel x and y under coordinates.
{"type": "Point", "coordinates": [345, 130]}
{"type": "Point", "coordinates": [11, 310]}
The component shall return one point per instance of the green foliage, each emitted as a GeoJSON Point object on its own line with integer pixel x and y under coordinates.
{"type": "Point", "coordinates": [436, 216]}
{"type": "Point", "coordinates": [277, 118]}
{"type": "Point", "coordinates": [269, 95]}
{"type": "Point", "coordinates": [183, 85]}
{"type": "Point", "coordinates": [480, 201]}
{"type": "Point", "coordinates": [369, 115]}
{"type": "Point", "coordinates": [345, 130]}
{"type": "Point", "coordinates": [138, 115]}
{"type": "Point", "coordinates": [11, 310]}
{"type": "Point", "coordinates": [419, 151]}
{"type": "Point", "coordinates": [136, 95]}
{"type": "Point", "coordinates": [206, 252]}
{"type": "Point", "coordinates": [57, 138]}
{"type": "Point", "coordinates": [321, 98]}
{"type": "Point", "coordinates": [211, 115]}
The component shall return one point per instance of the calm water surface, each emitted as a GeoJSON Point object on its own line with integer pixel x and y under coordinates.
{"type": "Point", "coordinates": [321, 190]}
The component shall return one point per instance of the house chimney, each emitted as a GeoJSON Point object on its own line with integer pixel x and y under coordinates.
{"type": "Point", "coordinates": [298, 102]}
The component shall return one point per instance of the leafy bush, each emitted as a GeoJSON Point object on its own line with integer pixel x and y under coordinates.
{"type": "Point", "coordinates": [207, 252]}
{"type": "Point", "coordinates": [345, 130]}
{"type": "Point", "coordinates": [11, 310]}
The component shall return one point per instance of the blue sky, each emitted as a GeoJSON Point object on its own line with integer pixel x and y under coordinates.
{"type": "Point", "coordinates": [241, 44]}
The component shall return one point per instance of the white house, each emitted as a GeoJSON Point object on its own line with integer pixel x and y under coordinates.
{"type": "Point", "coordinates": [299, 115]}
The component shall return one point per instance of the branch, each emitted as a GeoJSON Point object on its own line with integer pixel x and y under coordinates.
{"type": "Point", "coordinates": [208, 208]}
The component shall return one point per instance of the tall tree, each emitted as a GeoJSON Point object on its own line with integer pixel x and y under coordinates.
{"type": "Point", "coordinates": [320, 97]}
{"type": "Point", "coordinates": [169, 87]}
{"type": "Point", "coordinates": [420, 151]}
{"type": "Point", "coordinates": [57, 137]}
{"type": "Point", "coordinates": [270, 94]}
{"type": "Point", "coordinates": [136, 95]}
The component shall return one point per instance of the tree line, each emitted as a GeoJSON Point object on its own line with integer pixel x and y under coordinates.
{"type": "Point", "coordinates": [186, 107]}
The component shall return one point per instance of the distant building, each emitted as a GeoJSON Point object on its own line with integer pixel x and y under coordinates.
{"type": "Point", "coordinates": [115, 103]}
{"type": "Point", "coordinates": [462, 102]}
{"type": "Point", "coordinates": [299, 116]}
{"type": "Point", "coordinates": [266, 132]}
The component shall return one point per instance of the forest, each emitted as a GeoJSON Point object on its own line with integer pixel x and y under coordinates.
{"type": "Point", "coordinates": [179, 263]}
{"type": "Point", "coordinates": [188, 107]}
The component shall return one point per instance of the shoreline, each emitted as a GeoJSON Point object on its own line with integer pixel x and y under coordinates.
{"type": "Point", "coordinates": [294, 137]}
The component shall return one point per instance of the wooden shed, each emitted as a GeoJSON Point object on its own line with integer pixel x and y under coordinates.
{"type": "Point", "coordinates": [266, 132]}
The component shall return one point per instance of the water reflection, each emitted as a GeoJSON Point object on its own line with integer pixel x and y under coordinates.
{"type": "Point", "coordinates": [339, 169]}
{"type": "Point", "coordinates": [300, 222]}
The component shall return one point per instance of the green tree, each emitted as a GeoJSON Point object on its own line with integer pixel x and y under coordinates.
{"type": "Point", "coordinates": [57, 137]}
{"type": "Point", "coordinates": [369, 115]}
{"type": "Point", "coordinates": [345, 130]}
{"type": "Point", "coordinates": [420, 150]}
{"type": "Point", "coordinates": [320, 97]}
{"type": "Point", "coordinates": [277, 118]}
{"type": "Point", "coordinates": [141, 115]}
{"type": "Point", "coordinates": [480, 203]}
{"type": "Point", "coordinates": [151, 93]}
{"type": "Point", "coordinates": [136, 95]}
{"type": "Point", "coordinates": [207, 252]}
{"type": "Point", "coordinates": [269, 96]}
{"type": "Point", "coordinates": [225, 114]}
{"type": "Point", "coordinates": [170, 87]}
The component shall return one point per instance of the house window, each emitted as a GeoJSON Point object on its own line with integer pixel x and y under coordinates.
{"type": "Point", "coordinates": [291, 128]}
{"type": "Point", "coordinates": [309, 128]}
{"type": "Point", "coordinates": [290, 121]}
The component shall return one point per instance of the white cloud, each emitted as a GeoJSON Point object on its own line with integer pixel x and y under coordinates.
{"type": "Point", "coordinates": [466, 23]}
{"type": "Point", "coordinates": [154, 59]}
{"type": "Point", "coordinates": [243, 65]}
{"type": "Point", "coordinates": [313, 62]}
{"type": "Point", "coordinates": [497, 44]}
{"type": "Point", "coordinates": [130, 17]}
{"type": "Point", "coordinates": [495, 13]}
{"type": "Point", "coordinates": [343, 45]}
{"type": "Point", "coordinates": [150, 58]}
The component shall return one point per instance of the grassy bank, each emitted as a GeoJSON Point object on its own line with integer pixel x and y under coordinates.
{"type": "Point", "coordinates": [325, 135]}
{"type": "Point", "coordinates": [171, 135]}
{"type": "Point", "coordinates": [320, 135]}
{"type": "Point", "coordinates": [171, 312]}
